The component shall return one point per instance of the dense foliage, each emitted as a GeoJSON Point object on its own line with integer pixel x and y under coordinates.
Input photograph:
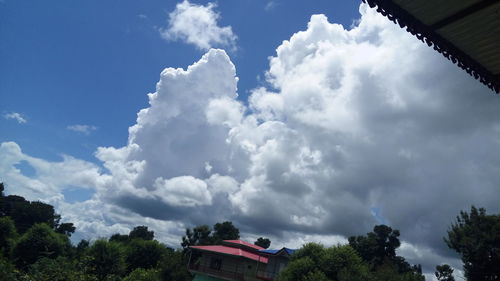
{"type": "Point", "coordinates": [371, 257]}
{"type": "Point", "coordinates": [35, 246]}
{"type": "Point", "coordinates": [203, 234]}
{"type": "Point", "coordinates": [444, 272]}
{"type": "Point", "coordinates": [476, 237]}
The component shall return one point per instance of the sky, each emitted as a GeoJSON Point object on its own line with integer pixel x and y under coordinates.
{"type": "Point", "coordinates": [297, 120]}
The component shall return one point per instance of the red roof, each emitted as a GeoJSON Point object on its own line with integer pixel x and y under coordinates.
{"type": "Point", "coordinates": [232, 251]}
{"type": "Point", "coordinates": [244, 243]}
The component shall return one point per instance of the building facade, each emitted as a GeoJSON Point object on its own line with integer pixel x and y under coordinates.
{"type": "Point", "coordinates": [236, 260]}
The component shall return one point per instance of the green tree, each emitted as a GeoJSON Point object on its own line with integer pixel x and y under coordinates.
{"type": "Point", "coordinates": [299, 269]}
{"type": "Point", "coordinates": [315, 262]}
{"type": "Point", "coordinates": [378, 245]}
{"type": "Point", "coordinates": [444, 272]}
{"type": "Point", "coordinates": [106, 260]}
{"type": "Point", "coordinates": [142, 274]}
{"type": "Point", "coordinates": [7, 270]}
{"type": "Point", "coordinates": [225, 231]}
{"type": "Point", "coordinates": [144, 254]}
{"type": "Point", "coordinates": [26, 214]}
{"type": "Point", "coordinates": [66, 228]}
{"type": "Point", "coordinates": [343, 263]}
{"type": "Point", "coordinates": [117, 237]}
{"type": "Point", "coordinates": [388, 271]}
{"type": "Point", "coordinates": [378, 248]}
{"type": "Point", "coordinates": [263, 242]}
{"type": "Point", "coordinates": [8, 235]}
{"type": "Point", "coordinates": [476, 237]}
{"type": "Point", "coordinates": [200, 235]}
{"type": "Point", "coordinates": [59, 269]}
{"type": "Point", "coordinates": [173, 267]}
{"type": "Point", "coordinates": [39, 241]}
{"type": "Point", "coordinates": [141, 232]}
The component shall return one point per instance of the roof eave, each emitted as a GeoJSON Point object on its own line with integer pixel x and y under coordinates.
{"type": "Point", "coordinates": [427, 35]}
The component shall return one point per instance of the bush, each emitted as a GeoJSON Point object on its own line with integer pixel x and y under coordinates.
{"type": "Point", "coordinates": [142, 274]}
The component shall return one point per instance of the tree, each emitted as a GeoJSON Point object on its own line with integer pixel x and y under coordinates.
{"type": "Point", "coordinates": [378, 248]}
{"type": "Point", "coordinates": [66, 229]}
{"type": "Point", "coordinates": [82, 247]}
{"type": "Point", "coordinates": [60, 269]}
{"type": "Point", "coordinates": [7, 269]}
{"type": "Point", "coordinates": [200, 235]}
{"type": "Point", "coordinates": [173, 267]}
{"type": "Point", "coordinates": [141, 274]}
{"type": "Point", "coordinates": [378, 245]}
{"type": "Point", "coordinates": [313, 262]}
{"type": "Point", "coordinates": [476, 237]}
{"type": "Point", "coordinates": [117, 237]}
{"type": "Point", "coordinates": [106, 260]}
{"type": "Point", "coordinates": [263, 242]}
{"type": "Point", "coordinates": [444, 272]}
{"type": "Point", "coordinates": [25, 214]}
{"type": "Point", "coordinates": [8, 234]}
{"type": "Point", "coordinates": [225, 231]}
{"type": "Point", "coordinates": [141, 232]}
{"type": "Point", "coordinates": [39, 241]}
{"type": "Point", "coordinates": [144, 254]}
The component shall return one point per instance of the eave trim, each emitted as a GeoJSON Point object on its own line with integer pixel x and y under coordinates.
{"type": "Point", "coordinates": [425, 34]}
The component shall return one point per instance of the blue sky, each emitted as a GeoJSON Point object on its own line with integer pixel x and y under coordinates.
{"type": "Point", "coordinates": [311, 121]}
{"type": "Point", "coordinates": [92, 62]}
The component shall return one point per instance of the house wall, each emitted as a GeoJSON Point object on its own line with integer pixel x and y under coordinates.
{"type": "Point", "coordinates": [275, 265]}
{"type": "Point", "coordinates": [201, 277]}
{"type": "Point", "coordinates": [246, 267]}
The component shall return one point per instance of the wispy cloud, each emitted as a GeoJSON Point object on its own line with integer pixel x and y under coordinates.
{"type": "Point", "coordinates": [270, 5]}
{"type": "Point", "coordinates": [197, 25]}
{"type": "Point", "coordinates": [83, 129]}
{"type": "Point", "coordinates": [142, 16]}
{"type": "Point", "coordinates": [15, 116]}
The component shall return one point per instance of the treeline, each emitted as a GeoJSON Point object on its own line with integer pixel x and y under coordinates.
{"type": "Point", "coordinates": [475, 236]}
{"type": "Point", "coordinates": [371, 257]}
{"type": "Point", "coordinates": [35, 246]}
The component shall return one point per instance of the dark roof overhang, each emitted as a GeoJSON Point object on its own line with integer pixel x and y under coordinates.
{"type": "Point", "coordinates": [467, 32]}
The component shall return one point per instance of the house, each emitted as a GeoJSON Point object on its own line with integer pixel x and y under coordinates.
{"type": "Point", "coordinates": [276, 262]}
{"type": "Point", "coordinates": [236, 260]}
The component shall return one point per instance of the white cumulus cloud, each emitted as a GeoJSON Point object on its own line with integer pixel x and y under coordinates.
{"type": "Point", "coordinates": [198, 25]}
{"type": "Point", "coordinates": [357, 120]}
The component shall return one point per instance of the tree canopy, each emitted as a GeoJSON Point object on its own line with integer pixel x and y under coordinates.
{"type": "Point", "coordinates": [476, 237]}
{"type": "Point", "coordinates": [444, 272]}
{"type": "Point", "coordinates": [203, 234]}
{"type": "Point", "coordinates": [263, 242]}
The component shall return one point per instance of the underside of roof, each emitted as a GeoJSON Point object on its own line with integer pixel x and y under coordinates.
{"type": "Point", "coordinates": [467, 32]}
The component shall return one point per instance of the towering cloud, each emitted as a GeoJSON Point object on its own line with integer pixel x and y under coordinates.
{"type": "Point", "coordinates": [357, 127]}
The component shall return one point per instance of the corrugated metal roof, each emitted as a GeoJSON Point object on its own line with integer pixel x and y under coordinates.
{"type": "Point", "coordinates": [467, 32]}
{"type": "Point", "coordinates": [278, 251]}
{"type": "Point", "coordinates": [242, 243]}
{"type": "Point", "coordinates": [232, 251]}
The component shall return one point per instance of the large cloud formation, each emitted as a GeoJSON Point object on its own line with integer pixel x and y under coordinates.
{"type": "Point", "coordinates": [355, 127]}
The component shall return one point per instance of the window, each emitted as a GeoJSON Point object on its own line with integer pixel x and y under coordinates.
{"type": "Point", "coordinates": [216, 263]}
